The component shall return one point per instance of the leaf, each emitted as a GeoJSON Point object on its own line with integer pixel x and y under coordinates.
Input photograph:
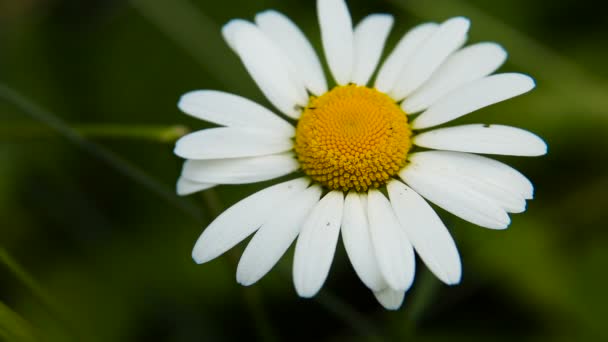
{"type": "Point", "coordinates": [13, 327]}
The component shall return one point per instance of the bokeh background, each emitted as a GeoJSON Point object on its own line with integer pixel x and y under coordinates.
{"type": "Point", "coordinates": [94, 246]}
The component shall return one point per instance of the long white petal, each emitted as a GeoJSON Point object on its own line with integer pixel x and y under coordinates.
{"type": "Point", "coordinates": [459, 200]}
{"type": "Point", "coordinates": [469, 64]}
{"type": "Point", "coordinates": [338, 39]}
{"type": "Point", "coordinates": [275, 236]}
{"type": "Point", "coordinates": [473, 96]}
{"type": "Point", "coordinates": [186, 187]}
{"type": "Point", "coordinates": [243, 218]}
{"type": "Point", "coordinates": [426, 232]}
{"type": "Point", "coordinates": [393, 251]}
{"type": "Point", "coordinates": [396, 61]}
{"type": "Point", "coordinates": [478, 138]}
{"type": "Point", "coordinates": [510, 201]}
{"type": "Point", "coordinates": [449, 37]}
{"type": "Point", "coordinates": [390, 299]}
{"type": "Point", "coordinates": [240, 170]}
{"type": "Point", "coordinates": [233, 111]}
{"type": "Point", "coordinates": [296, 46]}
{"type": "Point", "coordinates": [228, 142]}
{"type": "Point", "coordinates": [269, 67]}
{"type": "Point", "coordinates": [479, 174]}
{"type": "Point", "coordinates": [317, 244]}
{"type": "Point", "coordinates": [357, 241]}
{"type": "Point", "coordinates": [483, 168]}
{"type": "Point", "coordinates": [370, 37]}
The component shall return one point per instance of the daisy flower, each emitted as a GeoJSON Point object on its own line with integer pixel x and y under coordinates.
{"type": "Point", "coordinates": [366, 156]}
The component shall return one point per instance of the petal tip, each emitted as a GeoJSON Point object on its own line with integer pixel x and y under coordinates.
{"type": "Point", "coordinates": [454, 278]}
{"type": "Point", "coordinates": [461, 20]}
{"type": "Point", "coordinates": [543, 148]}
{"type": "Point", "coordinates": [306, 292]}
{"type": "Point", "coordinates": [199, 257]}
{"type": "Point", "coordinates": [454, 282]}
{"type": "Point", "coordinates": [185, 100]}
{"type": "Point", "coordinates": [503, 225]}
{"type": "Point", "coordinates": [244, 279]}
{"type": "Point", "coordinates": [266, 13]}
{"type": "Point", "coordinates": [383, 16]}
{"type": "Point", "coordinates": [390, 299]}
{"type": "Point", "coordinates": [229, 31]}
{"type": "Point", "coordinates": [177, 150]}
{"type": "Point", "coordinates": [531, 81]}
{"type": "Point", "coordinates": [181, 101]}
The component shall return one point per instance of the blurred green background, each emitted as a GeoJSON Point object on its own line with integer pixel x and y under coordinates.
{"type": "Point", "coordinates": [94, 246]}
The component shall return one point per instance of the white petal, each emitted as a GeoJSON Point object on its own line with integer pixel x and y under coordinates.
{"type": "Point", "coordinates": [317, 244]}
{"type": "Point", "coordinates": [478, 138]}
{"type": "Point", "coordinates": [243, 218]}
{"type": "Point", "coordinates": [426, 232]}
{"type": "Point", "coordinates": [469, 64]}
{"type": "Point", "coordinates": [187, 187]}
{"type": "Point", "coordinates": [407, 46]}
{"type": "Point", "coordinates": [269, 68]}
{"type": "Point", "coordinates": [393, 251]}
{"type": "Point", "coordinates": [296, 46]}
{"type": "Point", "coordinates": [486, 169]}
{"type": "Point", "coordinates": [337, 36]}
{"type": "Point", "coordinates": [233, 111]}
{"type": "Point", "coordinates": [473, 96]}
{"type": "Point", "coordinates": [228, 142]}
{"type": "Point", "coordinates": [493, 179]}
{"type": "Point", "coordinates": [275, 236]}
{"type": "Point", "coordinates": [456, 198]}
{"type": "Point", "coordinates": [240, 170]}
{"type": "Point", "coordinates": [370, 37]}
{"type": "Point", "coordinates": [357, 241]}
{"type": "Point", "coordinates": [231, 29]}
{"type": "Point", "coordinates": [449, 37]}
{"type": "Point", "coordinates": [390, 299]}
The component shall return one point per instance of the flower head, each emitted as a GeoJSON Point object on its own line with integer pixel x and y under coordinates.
{"type": "Point", "coordinates": [353, 143]}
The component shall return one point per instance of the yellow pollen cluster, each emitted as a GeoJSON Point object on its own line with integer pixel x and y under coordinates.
{"type": "Point", "coordinates": [352, 137]}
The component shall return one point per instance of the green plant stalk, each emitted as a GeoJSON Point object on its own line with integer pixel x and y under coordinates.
{"type": "Point", "coordinates": [121, 165]}
{"type": "Point", "coordinates": [161, 134]}
{"type": "Point", "coordinates": [39, 293]}
{"type": "Point", "coordinates": [252, 299]}
{"type": "Point", "coordinates": [27, 280]}
{"type": "Point", "coordinates": [187, 27]}
{"type": "Point", "coordinates": [251, 296]}
{"type": "Point", "coordinates": [13, 327]}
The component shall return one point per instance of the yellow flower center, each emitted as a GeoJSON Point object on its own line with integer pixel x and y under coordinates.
{"type": "Point", "coordinates": [352, 137]}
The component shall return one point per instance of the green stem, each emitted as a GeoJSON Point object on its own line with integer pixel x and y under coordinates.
{"type": "Point", "coordinates": [255, 305]}
{"type": "Point", "coordinates": [26, 279]}
{"type": "Point", "coordinates": [426, 293]}
{"type": "Point", "coordinates": [251, 295]}
{"type": "Point", "coordinates": [14, 328]}
{"type": "Point", "coordinates": [119, 164]}
{"type": "Point", "coordinates": [39, 293]}
{"type": "Point", "coordinates": [162, 134]}
{"type": "Point", "coordinates": [351, 317]}
{"type": "Point", "coordinates": [186, 25]}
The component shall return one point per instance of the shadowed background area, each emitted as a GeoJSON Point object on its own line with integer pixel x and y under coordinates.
{"type": "Point", "coordinates": [94, 245]}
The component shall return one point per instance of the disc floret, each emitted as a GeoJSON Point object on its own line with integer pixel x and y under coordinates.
{"type": "Point", "coordinates": [352, 137]}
